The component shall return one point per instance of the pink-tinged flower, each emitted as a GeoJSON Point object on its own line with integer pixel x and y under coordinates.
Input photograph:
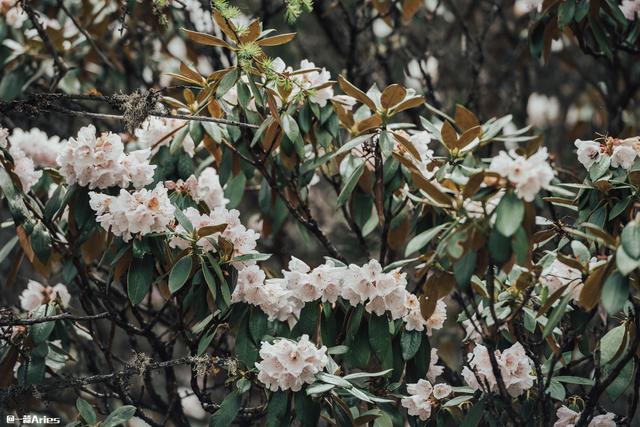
{"type": "Point", "coordinates": [630, 9]}
{"type": "Point", "coordinates": [434, 370]}
{"type": "Point", "coordinates": [156, 132]}
{"type": "Point", "coordinates": [288, 365]}
{"type": "Point", "coordinates": [418, 403]}
{"type": "Point", "coordinates": [514, 365]}
{"type": "Point", "coordinates": [25, 169]}
{"type": "Point", "coordinates": [37, 146]}
{"type": "Point", "coordinates": [442, 390]}
{"type": "Point", "coordinates": [542, 110]}
{"type": "Point", "coordinates": [37, 294]}
{"type": "Point", "coordinates": [589, 152]}
{"type": "Point", "coordinates": [623, 156]}
{"type": "Point", "coordinates": [528, 175]}
{"type": "Point", "coordinates": [100, 161]}
{"type": "Point", "coordinates": [559, 274]}
{"type": "Point", "coordinates": [138, 213]}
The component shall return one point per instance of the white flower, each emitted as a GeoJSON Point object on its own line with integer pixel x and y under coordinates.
{"type": "Point", "coordinates": [4, 134]}
{"type": "Point", "coordinates": [630, 9]}
{"type": "Point", "coordinates": [156, 132]}
{"type": "Point", "coordinates": [191, 404]}
{"type": "Point", "coordinates": [605, 420]}
{"type": "Point", "coordinates": [414, 321]}
{"type": "Point", "coordinates": [623, 156]}
{"type": "Point", "coordinates": [436, 321]}
{"type": "Point", "coordinates": [138, 213]}
{"type": "Point", "coordinates": [522, 7]}
{"type": "Point", "coordinates": [542, 110]}
{"type": "Point", "coordinates": [288, 365]}
{"type": "Point", "coordinates": [418, 403]}
{"type": "Point", "coordinates": [315, 83]}
{"type": "Point", "coordinates": [13, 13]}
{"type": "Point", "coordinates": [37, 294]}
{"type": "Point", "coordinates": [529, 175]}
{"type": "Point", "coordinates": [558, 274]}
{"type": "Point", "coordinates": [434, 370]}
{"type": "Point", "coordinates": [514, 365]}
{"type": "Point", "coordinates": [442, 390]}
{"type": "Point", "coordinates": [25, 169]}
{"type": "Point", "coordinates": [568, 418]}
{"type": "Point", "coordinates": [588, 152]}
{"type": "Point", "coordinates": [100, 162]}
{"type": "Point", "coordinates": [36, 145]}
{"type": "Point", "coordinates": [209, 190]}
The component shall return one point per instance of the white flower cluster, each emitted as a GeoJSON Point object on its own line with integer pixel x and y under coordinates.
{"type": "Point", "coordinates": [380, 292]}
{"type": "Point", "coordinates": [24, 168]}
{"type": "Point", "coordinates": [244, 240]}
{"type": "Point", "coordinates": [37, 294]}
{"type": "Point", "coordinates": [542, 110]}
{"type": "Point", "coordinates": [37, 145]}
{"type": "Point", "coordinates": [421, 396]}
{"type": "Point", "coordinates": [515, 369]}
{"type": "Point", "coordinates": [284, 298]}
{"type": "Point", "coordinates": [13, 14]}
{"type": "Point", "coordinates": [156, 132]}
{"type": "Point", "coordinates": [288, 365]}
{"type": "Point", "coordinates": [316, 84]}
{"type": "Point", "coordinates": [200, 18]}
{"type": "Point", "coordinates": [568, 418]}
{"type": "Point", "coordinates": [558, 274]}
{"type": "Point", "coordinates": [630, 9]}
{"type": "Point", "coordinates": [100, 162]}
{"type": "Point", "coordinates": [623, 152]}
{"type": "Point", "coordinates": [30, 150]}
{"type": "Point", "coordinates": [206, 188]}
{"type": "Point", "coordinates": [529, 175]}
{"type": "Point", "coordinates": [140, 212]}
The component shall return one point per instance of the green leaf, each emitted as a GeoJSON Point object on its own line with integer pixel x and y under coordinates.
{"type": "Point", "coordinates": [234, 190]}
{"type": "Point", "coordinates": [86, 411]}
{"type": "Point", "coordinates": [410, 343]}
{"type": "Point", "coordinates": [41, 242]}
{"type": "Point", "coordinates": [615, 292]}
{"type": "Point", "coordinates": [227, 83]}
{"type": "Point", "coordinates": [566, 11]}
{"type": "Point", "coordinates": [350, 184]}
{"type": "Point", "coordinates": [277, 409]}
{"type": "Point", "coordinates": [463, 269]}
{"type": "Point", "coordinates": [556, 315]}
{"type": "Point", "coordinates": [631, 239]}
{"type": "Point", "coordinates": [622, 382]}
{"type": "Point", "coordinates": [139, 279]}
{"type": "Point", "coordinates": [251, 257]}
{"type": "Point", "coordinates": [54, 203]}
{"type": "Point", "coordinates": [474, 416]}
{"type": "Point", "coordinates": [624, 262]}
{"type": "Point", "coordinates": [183, 221]}
{"type": "Point", "coordinates": [610, 344]}
{"type": "Point", "coordinates": [600, 36]}
{"type": "Point", "coordinates": [41, 331]}
{"type": "Point", "coordinates": [574, 380]}
{"type": "Point", "coordinates": [180, 273]}
{"type": "Point", "coordinates": [290, 127]}
{"type": "Point", "coordinates": [379, 337]}
{"type": "Point", "coordinates": [119, 416]}
{"type": "Point", "coordinates": [227, 412]}
{"type": "Point", "coordinates": [509, 214]}
{"type": "Point", "coordinates": [8, 247]}
{"type": "Point", "coordinates": [422, 239]}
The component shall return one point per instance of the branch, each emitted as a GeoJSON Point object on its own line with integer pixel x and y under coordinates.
{"type": "Point", "coordinates": [63, 316]}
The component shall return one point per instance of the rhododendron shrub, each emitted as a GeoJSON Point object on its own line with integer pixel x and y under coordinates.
{"type": "Point", "coordinates": [249, 240]}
